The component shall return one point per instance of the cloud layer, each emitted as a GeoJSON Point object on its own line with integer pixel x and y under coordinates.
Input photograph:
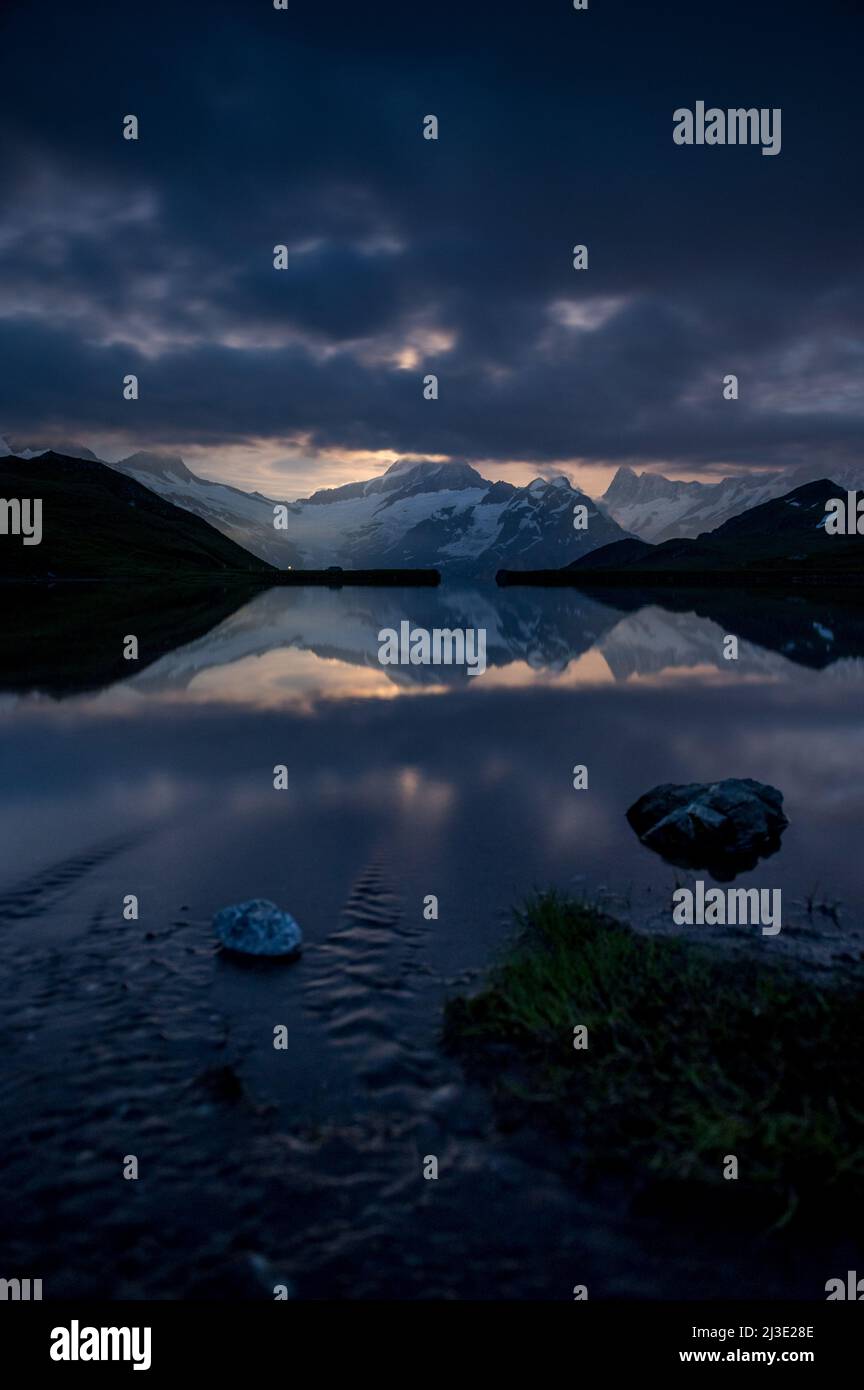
{"type": "Point", "coordinates": [304, 127]}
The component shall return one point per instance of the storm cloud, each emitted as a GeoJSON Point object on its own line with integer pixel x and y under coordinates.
{"type": "Point", "coordinates": [406, 256]}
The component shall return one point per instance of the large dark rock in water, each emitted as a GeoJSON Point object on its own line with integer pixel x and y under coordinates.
{"type": "Point", "coordinates": [724, 827]}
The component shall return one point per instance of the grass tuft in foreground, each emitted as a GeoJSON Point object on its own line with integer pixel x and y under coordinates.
{"type": "Point", "coordinates": [691, 1056]}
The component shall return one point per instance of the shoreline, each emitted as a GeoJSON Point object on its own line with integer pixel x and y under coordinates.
{"type": "Point", "coordinates": [781, 583]}
{"type": "Point", "coordinates": [661, 1060]}
{"type": "Point", "coordinates": [383, 578]}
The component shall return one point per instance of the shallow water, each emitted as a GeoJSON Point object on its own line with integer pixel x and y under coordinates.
{"type": "Point", "coordinates": [304, 1166]}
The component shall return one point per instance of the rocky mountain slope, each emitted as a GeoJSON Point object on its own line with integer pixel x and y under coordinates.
{"type": "Point", "coordinates": [99, 524]}
{"type": "Point", "coordinates": [785, 536]}
{"type": "Point", "coordinates": [417, 514]}
{"type": "Point", "coordinates": [659, 509]}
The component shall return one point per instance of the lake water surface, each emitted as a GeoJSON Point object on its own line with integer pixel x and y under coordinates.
{"type": "Point", "coordinates": [304, 1166]}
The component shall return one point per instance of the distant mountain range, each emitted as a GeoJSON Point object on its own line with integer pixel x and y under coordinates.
{"type": "Point", "coordinates": [783, 537]}
{"type": "Point", "coordinates": [99, 524]}
{"type": "Point", "coordinates": [444, 515]}
{"type": "Point", "coordinates": [659, 509]}
{"type": "Point", "coordinates": [447, 515]}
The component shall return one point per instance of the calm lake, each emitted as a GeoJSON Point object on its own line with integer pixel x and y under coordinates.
{"type": "Point", "coordinates": [303, 1166]}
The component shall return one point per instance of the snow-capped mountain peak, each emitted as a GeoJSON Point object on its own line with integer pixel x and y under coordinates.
{"type": "Point", "coordinates": [418, 513]}
{"type": "Point", "coordinates": [35, 451]}
{"type": "Point", "coordinates": [144, 464]}
{"type": "Point", "coordinates": [658, 509]}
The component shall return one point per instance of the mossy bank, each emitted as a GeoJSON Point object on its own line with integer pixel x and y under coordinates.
{"type": "Point", "coordinates": [690, 1057]}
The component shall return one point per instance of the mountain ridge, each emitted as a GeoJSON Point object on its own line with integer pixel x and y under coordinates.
{"type": "Point", "coordinates": [784, 536]}
{"type": "Point", "coordinates": [97, 523]}
{"type": "Point", "coordinates": [422, 513]}
{"type": "Point", "coordinates": [417, 514]}
{"type": "Point", "coordinates": [657, 508]}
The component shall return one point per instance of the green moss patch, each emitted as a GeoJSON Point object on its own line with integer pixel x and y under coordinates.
{"type": "Point", "coordinates": [691, 1056]}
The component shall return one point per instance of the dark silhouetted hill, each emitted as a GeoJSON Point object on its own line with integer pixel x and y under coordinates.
{"type": "Point", "coordinates": [782, 537]}
{"type": "Point", "coordinates": [99, 524]}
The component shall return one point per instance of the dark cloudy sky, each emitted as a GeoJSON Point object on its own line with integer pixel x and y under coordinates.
{"type": "Point", "coordinates": [407, 256]}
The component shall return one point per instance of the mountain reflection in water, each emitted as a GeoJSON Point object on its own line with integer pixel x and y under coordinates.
{"type": "Point", "coordinates": [67, 640]}
{"type": "Point", "coordinates": [157, 779]}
